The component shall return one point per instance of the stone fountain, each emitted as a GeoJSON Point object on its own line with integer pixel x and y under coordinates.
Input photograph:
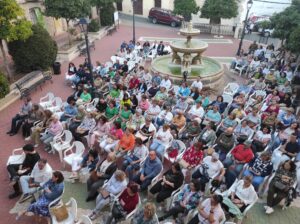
{"type": "Point", "coordinates": [187, 57]}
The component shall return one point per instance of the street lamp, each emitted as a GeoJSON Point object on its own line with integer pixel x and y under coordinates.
{"type": "Point", "coordinates": [83, 25]}
{"type": "Point", "coordinates": [133, 20]}
{"type": "Point", "coordinates": [249, 5]}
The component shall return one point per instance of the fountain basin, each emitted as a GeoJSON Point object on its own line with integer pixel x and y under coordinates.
{"type": "Point", "coordinates": [210, 70]}
{"type": "Point", "coordinates": [195, 46]}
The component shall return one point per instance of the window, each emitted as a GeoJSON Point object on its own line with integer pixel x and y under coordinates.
{"type": "Point", "coordinates": [157, 3]}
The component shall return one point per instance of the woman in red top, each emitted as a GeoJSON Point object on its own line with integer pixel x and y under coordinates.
{"type": "Point", "coordinates": [273, 107]}
{"type": "Point", "coordinates": [134, 82]}
{"type": "Point", "coordinates": [193, 156]}
{"type": "Point", "coordinates": [125, 204]}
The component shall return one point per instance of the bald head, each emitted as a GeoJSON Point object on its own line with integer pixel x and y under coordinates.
{"type": "Point", "coordinates": [229, 130]}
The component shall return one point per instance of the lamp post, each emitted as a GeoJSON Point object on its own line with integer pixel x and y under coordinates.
{"type": "Point", "coordinates": [83, 24]}
{"type": "Point", "coordinates": [249, 5]}
{"type": "Point", "coordinates": [133, 20]}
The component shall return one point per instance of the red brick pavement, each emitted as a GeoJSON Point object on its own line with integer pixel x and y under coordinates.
{"type": "Point", "coordinates": [104, 49]}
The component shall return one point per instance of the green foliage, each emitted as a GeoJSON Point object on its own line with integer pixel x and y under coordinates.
{"type": "Point", "coordinates": [185, 8]}
{"type": "Point", "coordinates": [217, 9]}
{"type": "Point", "coordinates": [4, 86]}
{"type": "Point", "coordinates": [293, 43]}
{"type": "Point", "coordinates": [265, 24]}
{"type": "Point", "coordinates": [37, 52]}
{"type": "Point", "coordinates": [13, 26]}
{"type": "Point", "coordinates": [67, 9]}
{"type": "Point", "coordinates": [107, 15]}
{"type": "Point", "coordinates": [93, 26]}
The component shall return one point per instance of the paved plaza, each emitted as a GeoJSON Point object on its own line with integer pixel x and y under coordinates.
{"type": "Point", "coordinates": [223, 50]}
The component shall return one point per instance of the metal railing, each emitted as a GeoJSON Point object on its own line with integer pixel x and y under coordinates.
{"type": "Point", "coordinates": [215, 29]}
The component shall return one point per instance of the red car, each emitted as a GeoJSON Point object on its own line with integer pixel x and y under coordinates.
{"type": "Point", "coordinates": [158, 15]}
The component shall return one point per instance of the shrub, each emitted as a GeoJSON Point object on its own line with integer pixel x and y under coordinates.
{"type": "Point", "coordinates": [4, 86]}
{"type": "Point", "coordinates": [107, 15]}
{"type": "Point", "coordinates": [94, 26]}
{"type": "Point", "coordinates": [37, 52]}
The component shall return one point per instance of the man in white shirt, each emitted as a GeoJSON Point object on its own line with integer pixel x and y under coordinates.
{"type": "Point", "coordinates": [41, 173]}
{"type": "Point", "coordinates": [215, 167]}
{"type": "Point", "coordinates": [196, 111]}
{"type": "Point", "coordinates": [166, 82]}
{"type": "Point", "coordinates": [197, 84]}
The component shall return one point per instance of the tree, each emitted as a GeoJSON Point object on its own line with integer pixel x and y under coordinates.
{"type": "Point", "coordinates": [37, 52]}
{"type": "Point", "coordinates": [4, 86]}
{"type": "Point", "coordinates": [293, 43]}
{"type": "Point", "coordinates": [285, 22]}
{"type": "Point", "coordinates": [13, 26]}
{"type": "Point", "coordinates": [185, 8]}
{"type": "Point", "coordinates": [215, 10]}
{"type": "Point", "coordinates": [67, 9]}
{"type": "Point", "coordinates": [105, 9]}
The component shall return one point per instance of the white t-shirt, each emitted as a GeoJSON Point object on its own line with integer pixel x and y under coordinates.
{"type": "Point", "coordinates": [214, 168]}
{"type": "Point", "coordinates": [262, 137]}
{"type": "Point", "coordinates": [153, 110]}
{"type": "Point", "coordinates": [41, 176]}
{"type": "Point", "coordinates": [165, 83]}
{"type": "Point", "coordinates": [167, 116]}
{"type": "Point", "coordinates": [218, 212]}
{"type": "Point", "coordinates": [164, 136]}
{"type": "Point", "coordinates": [247, 195]}
{"type": "Point", "coordinates": [198, 112]}
{"type": "Point", "coordinates": [197, 85]}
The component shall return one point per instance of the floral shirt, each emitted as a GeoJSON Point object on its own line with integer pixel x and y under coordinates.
{"type": "Point", "coordinates": [193, 157]}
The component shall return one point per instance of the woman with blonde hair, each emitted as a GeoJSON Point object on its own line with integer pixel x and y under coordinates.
{"type": "Point", "coordinates": [145, 215]}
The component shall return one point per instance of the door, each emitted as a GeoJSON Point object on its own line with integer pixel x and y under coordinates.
{"type": "Point", "coordinates": [157, 3]}
{"type": "Point", "coordinates": [119, 6]}
{"type": "Point", "coordinates": [138, 7]}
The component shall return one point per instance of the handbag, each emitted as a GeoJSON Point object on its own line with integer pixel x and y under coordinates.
{"type": "Point", "coordinates": [94, 177]}
{"type": "Point", "coordinates": [281, 186]}
{"type": "Point", "coordinates": [60, 212]}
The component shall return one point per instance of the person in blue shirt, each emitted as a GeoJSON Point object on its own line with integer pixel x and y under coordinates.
{"type": "Point", "coordinates": [52, 189]}
{"type": "Point", "coordinates": [70, 110]}
{"type": "Point", "coordinates": [156, 79]}
{"type": "Point", "coordinates": [287, 118]}
{"type": "Point", "coordinates": [151, 168]}
{"type": "Point", "coordinates": [184, 90]}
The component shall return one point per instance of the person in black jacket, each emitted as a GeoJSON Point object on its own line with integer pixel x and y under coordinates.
{"type": "Point", "coordinates": [104, 171]}
{"type": "Point", "coordinates": [160, 48]}
{"type": "Point", "coordinates": [17, 170]}
{"type": "Point", "coordinates": [171, 181]}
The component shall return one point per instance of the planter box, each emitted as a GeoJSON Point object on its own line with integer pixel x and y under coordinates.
{"type": "Point", "coordinates": [68, 54]}
{"type": "Point", "coordinates": [98, 35]}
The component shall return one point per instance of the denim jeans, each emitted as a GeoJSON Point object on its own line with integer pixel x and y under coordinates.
{"type": "Point", "coordinates": [157, 147]}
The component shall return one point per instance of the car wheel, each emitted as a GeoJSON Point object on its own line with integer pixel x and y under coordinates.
{"type": "Point", "coordinates": [267, 34]}
{"type": "Point", "coordinates": [154, 20]}
{"type": "Point", "coordinates": [173, 24]}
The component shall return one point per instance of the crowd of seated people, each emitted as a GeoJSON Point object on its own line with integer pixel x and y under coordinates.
{"type": "Point", "coordinates": [131, 122]}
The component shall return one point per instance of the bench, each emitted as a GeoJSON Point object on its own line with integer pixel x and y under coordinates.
{"type": "Point", "coordinates": [111, 30]}
{"type": "Point", "coordinates": [82, 48]}
{"type": "Point", "coordinates": [32, 81]}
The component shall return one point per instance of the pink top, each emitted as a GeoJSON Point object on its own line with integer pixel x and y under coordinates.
{"type": "Point", "coordinates": [55, 128]}
{"type": "Point", "coordinates": [116, 132]}
{"type": "Point", "coordinates": [102, 129]}
{"type": "Point", "coordinates": [144, 105]}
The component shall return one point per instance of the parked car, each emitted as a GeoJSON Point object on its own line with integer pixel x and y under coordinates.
{"type": "Point", "coordinates": [266, 32]}
{"type": "Point", "coordinates": [158, 15]}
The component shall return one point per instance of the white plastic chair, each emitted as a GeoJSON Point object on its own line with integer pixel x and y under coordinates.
{"type": "Point", "coordinates": [56, 105]}
{"type": "Point", "coordinates": [61, 143]}
{"type": "Point", "coordinates": [46, 101]}
{"type": "Point", "coordinates": [231, 88]}
{"type": "Point", "coordinates": [182, 149]}
{"type": "Point", "coordinates": [16, 157]}
{"type": "Point", "coordinates": [240, 69]}
{"type": "Point", "coordinates": [79, 150]}
{"type": "Point", "coordinates": [72, 213]}
{"type": "Point", "coordinates": [227, 98]}
{"type": "Point", "coordinates": [85, 220]}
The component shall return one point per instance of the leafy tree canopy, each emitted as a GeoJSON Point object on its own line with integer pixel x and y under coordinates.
{"type": "Point", "coordinates": [217, 9]}
{"type": "Point", "coordinates": [67, 9]}
{"type": "Point", "coordinates": [293, 43]}
{"type": "Point", "coordinates": [185, 8]}
{"type": "Point", "coordinates": [13, 26]}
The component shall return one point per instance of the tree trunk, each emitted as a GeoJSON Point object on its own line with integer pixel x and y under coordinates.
{"type": "Point", "coordinates": [99, 11]}
{"type": "Point", "coordinates": [69, 36]}
{"type": "Point", "coordinates": [8, 73]}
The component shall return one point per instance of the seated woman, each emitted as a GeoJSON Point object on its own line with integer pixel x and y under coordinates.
{"type": "Point", "coordinates": [86, 125]}
{"type": "Point", "coordinates": [272, 108]}
{"type": "Point", "coordinates": [284, 179]}
{"type": "Point", "coordinates": [161, 95]}
{"type": "Point", "coordinates": [241, 195]}
{"type": "Point", "coordinates": [153, 110]}
{"type": "Point", "coordinates": [114, 92]}
{"type": "Point", "coordinates": [124, 115]}
{"type": "Point", "coordinates": [145, 215]}
{"type": "Point", "coordinates": [187, 200]}
{"type": "Point", "coordinates": [256, 102]}
{"type": "Point", "coordinates": [209, 211]}
{"type": "Point", "coordinates": [36, 114]}
{"type": "Point", "coordinates": [178, 121]}
{"type": "Point", "coordinates": [71, 73]}
{"type": "Point", "coordinates": [116, 184]}
{"type": "Point", "coordinates": [146, 131]}
{"type": "Point", "coordinates": [55, 128]}
{"type": "Point", "coordinates": [259, 168]}
{"type": "Point", "coordinates": [136, 121]}
{"type": "Point", "coordinates": [208, 134]}
{"type": "Point", "coordinates": [194, 95]}
{"type": "Point", "coordinates": [193, 156]}
{"type": "Point", "coordinates": [164, 117]}
{"type": "Point", "coordinates": [111, 140]}
{"type": "Point", "coordinates": [191, 130]}
{"type": "Point", "coordinates": [284, 134]}
{"type": "Point", "coordinates": [161, 140]}
{"type": "Point", "coordinates": [272, 97]}
{"type": "Point", "coordinates": [133, 159]}
{"type": "Point", "coordinates": [101, 129]}
{"type": "Point", "coordinates": [261, 139]}
{"type": "Point", "coordinates": [52, 189]}
{"type": "Point", "coordinates": [212, 116]}
{"type": "Point", "coordinates": [228, 122]}
{"type": "Point", "coordinates": [196, 111]}
{"type": "Point", "coordinates": [285, 101]}
{"type": "Point", "coordinates": [125, 204]}
{"type": "Point", "coordinates": [88, 162]}
{"type": "Point", "coordinates": [239, 112]}
{"type": "Point", "coordinates": [184, 90]}
{"type": "Point", "coordinates": [125, 100]}
{"type": "Point", "coordinates": [111, 111]}
{"type": "Point", "coordinates": [74, 122]}
{"type": "Point", "coordinates": [237, 101]}
{"type": "Point", "coordinates": [253, 118]}
{"type": "Point", "coordinates": [219, 102]}
{"type": "Point", "coordinates": [126, 143]}
{"type": "Point", "coordinates": [101, 106]}
{"type": "Point", "coordinates": [103, 172]}
{"type": "Point", "coordinates": [152, 90]}
{"type": "Point", "coordinates": [144, 103]}
{"type": "Point", "coordinates": [170, 181]}
{"type": "Point", "coordinates": [243, 130]}
{"type": "Point", "coordinates": [85, 96]}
